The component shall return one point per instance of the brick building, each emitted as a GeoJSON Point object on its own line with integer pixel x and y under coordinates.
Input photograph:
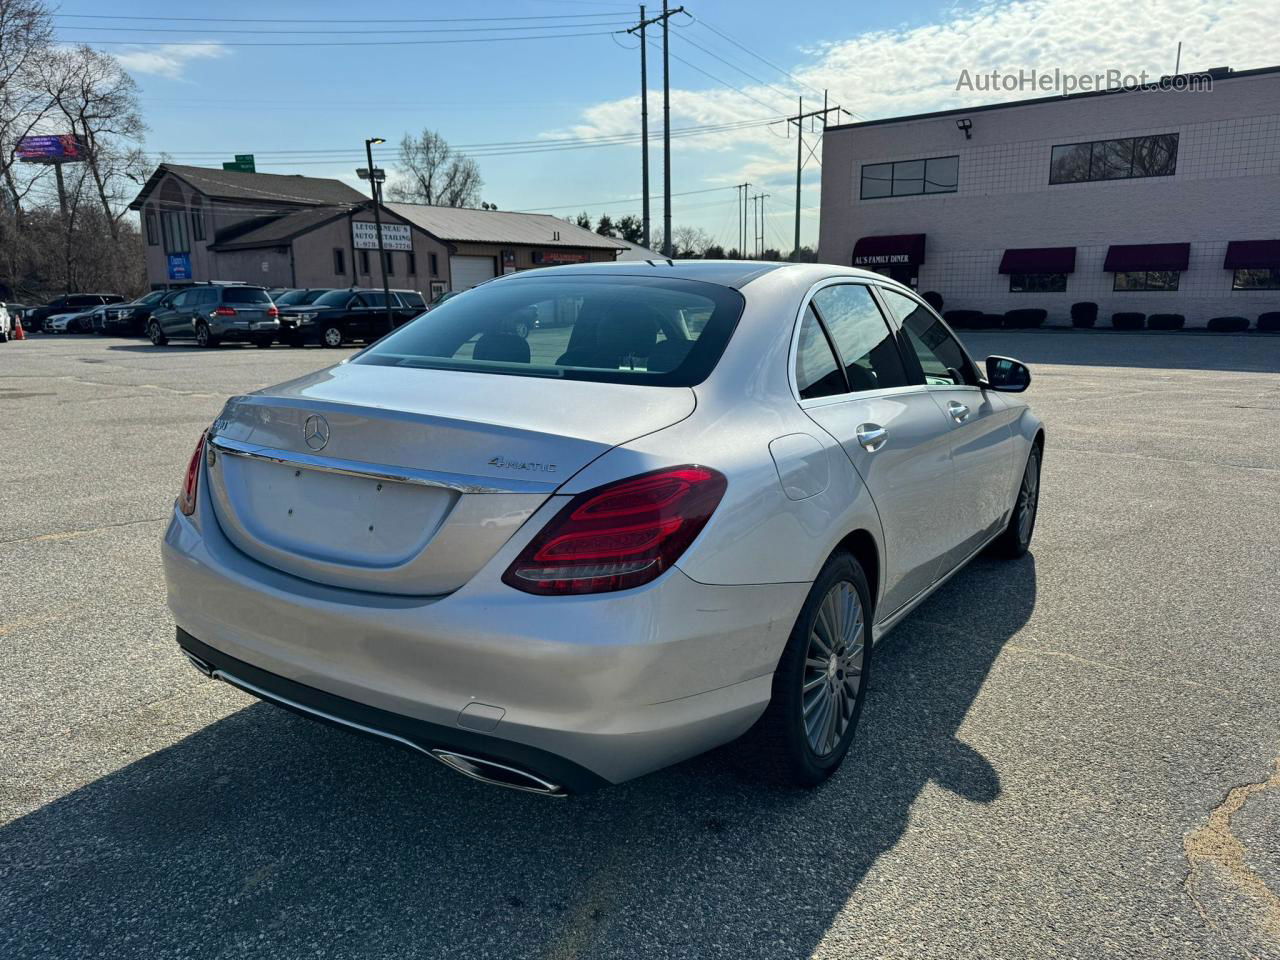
{"type": "Point", "coordinates": [1144, 199]}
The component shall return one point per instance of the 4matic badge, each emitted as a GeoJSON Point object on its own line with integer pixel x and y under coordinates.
{"type": "Point", "coordinates": [505, 463]}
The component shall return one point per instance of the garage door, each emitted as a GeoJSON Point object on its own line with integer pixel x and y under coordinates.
{"type": "Point", "coordinates": [466, 272]}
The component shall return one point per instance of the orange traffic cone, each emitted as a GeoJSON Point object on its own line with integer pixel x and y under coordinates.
{"type": "Point", "coordinates": [18, 333]}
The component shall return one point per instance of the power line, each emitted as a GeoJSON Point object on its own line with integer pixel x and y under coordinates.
{"type": "Point", "coordinates": [292, 20]}
{"type": "Point", "coordinates": [610, 203]}
{"type": "Point", "coordinates": [729, 63]}
{"type": "Point", "coordinates": [331, 43]}
{"type": "Point", "coordinates": [258, 31]}
{"type": "Point", "coordinates": [724, 83]}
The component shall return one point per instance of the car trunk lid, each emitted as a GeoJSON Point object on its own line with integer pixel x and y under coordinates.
{"type": "Point", "coordinates": [409, 481]}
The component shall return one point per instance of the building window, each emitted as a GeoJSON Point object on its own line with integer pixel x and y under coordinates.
{"type": "Point", "coordinates": [153, 235]}
{"type": "Point", "coordinates": [907, 178]}
{"type": "Point", "coordinates": [173, 227]}
{"type": "Point", "coordinates": [413, 264]}
{"type": "Point", "coordinates": [1256, 278]}
{"type": "Point", "coordinates": [388, 263]}
{"type": "Point", "coordinates": [1037, 283]}
{"type": "Point", "coordinates": [364, 261]}
{"type": "Point", "coordinates": [197, 221]}
{"type": "Point", "coordinates": [435, 265]}
{"type": "Point", "coordinates": [339, 261]}
{"type": "Point", "coordinates": [1147, 280]}
{"type": "Point", "coordinates": [1133, 157]}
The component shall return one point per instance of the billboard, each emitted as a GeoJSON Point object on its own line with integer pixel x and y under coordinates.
{"type": "Point", "coordinates": [59, 148]}
{"type": "Point", "coordinates": [395, 236]}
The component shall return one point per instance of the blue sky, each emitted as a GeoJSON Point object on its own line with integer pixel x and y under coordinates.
{"type": "Point", "coordinates": [210, 89]}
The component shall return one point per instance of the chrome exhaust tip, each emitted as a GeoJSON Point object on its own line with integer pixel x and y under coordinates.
{"type": "Point", "coordinates": [497, 774]}
{"type": "Point", "coordinates": [198, 663]}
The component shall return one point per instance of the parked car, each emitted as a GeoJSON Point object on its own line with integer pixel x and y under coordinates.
{"type": "Point", "coordinates": [71, 303]}
{"type": "Point", "coordinates": [212, 313]}
{"type": "Point", "coordinates": [73, 321]}
{"type": "Point", "coordinates": [557, 562]}
{"type": "Point", "coordinates": [128, 319]}
{"type": "Point", "coordinates": [341, 316]}
{"type": "Point", "coordinates": [299, 297]}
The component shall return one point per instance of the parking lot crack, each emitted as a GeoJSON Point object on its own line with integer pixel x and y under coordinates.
{"type": "Point", "coordinates": [72, 534]}
{"type": "Point", "coordinates": [1229, 896]}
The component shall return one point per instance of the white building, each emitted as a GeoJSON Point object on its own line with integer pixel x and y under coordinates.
{"type": "Point", "coordinates": [1143, 199]}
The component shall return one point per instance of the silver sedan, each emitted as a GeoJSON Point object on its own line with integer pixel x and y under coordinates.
{"type": "Point", "coordinates": [587, 521]}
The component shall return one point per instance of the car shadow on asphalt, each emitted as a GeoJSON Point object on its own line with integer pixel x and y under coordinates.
{"type": "Point", "coordinates": [266, 835]}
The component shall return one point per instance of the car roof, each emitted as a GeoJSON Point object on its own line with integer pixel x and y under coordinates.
{"type": "Point", "coordinates": [727, 273]}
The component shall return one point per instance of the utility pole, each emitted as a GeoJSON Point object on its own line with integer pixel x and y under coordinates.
{"type": "Point", "coordinates": [663, 18]}
{"type": "Point", "coordinates": [644, 126]}
{"type": "Point", "coordinates": [799, 120]}
{"type": "Point", "coordinates": [757, 223]}
{"type": "Point", "coordinates": [377, 225]}
{"type": "Point", "coordinates": [742, 218]}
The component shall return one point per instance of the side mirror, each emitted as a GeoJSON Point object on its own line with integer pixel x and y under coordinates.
{"type": "Point", "coordinates": [1007, 375]}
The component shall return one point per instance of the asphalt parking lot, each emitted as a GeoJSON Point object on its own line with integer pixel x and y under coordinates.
{"type": "Point", "coordinates": [1072, 755]}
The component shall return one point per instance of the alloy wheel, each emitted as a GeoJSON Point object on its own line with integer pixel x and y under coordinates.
{"type": "Point", "coordinates": [332, 337]}
{"type": "Point", "coordinates": [833, 668]}
{"type": "Point", "coordinates": [1028, 500]}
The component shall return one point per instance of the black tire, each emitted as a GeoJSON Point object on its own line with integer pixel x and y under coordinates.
{"type": "Point", "coordinates": [156, 334]}
{"type": "Point", "coordinates": [331, 336]}
{"type": "Point", "coordinates": [204, 337]}
{"type": "Point", "coordinates": [1016, 538]}
{"type": "Point", "coordinates": [782, 751]}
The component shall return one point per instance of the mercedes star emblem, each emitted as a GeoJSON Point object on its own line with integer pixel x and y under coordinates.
{"type": "Point", "coordinates": [315, 432]}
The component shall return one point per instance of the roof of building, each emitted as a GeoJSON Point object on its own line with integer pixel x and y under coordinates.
{"type": "Point", "coordinates": [260, 187]}
{"type": "Point", "coordinates": [1217, 74]}
{"type": "Point", "coordinates": [276, 231]}
{"type": "Point", "coordinates": [468, 225]}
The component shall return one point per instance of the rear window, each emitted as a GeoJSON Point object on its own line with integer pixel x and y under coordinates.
{"type": "Point", "coordinates": [290, 297]}
{"type": "Point", "coordinates": [244, 295]}
{"type": "Point", "coordinates": [412, 299]}
{"type": "Point", "coordinates": [615, 329]}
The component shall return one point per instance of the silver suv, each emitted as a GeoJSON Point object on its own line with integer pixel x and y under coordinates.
{"type": "Point", "coordinates": [214, 313]}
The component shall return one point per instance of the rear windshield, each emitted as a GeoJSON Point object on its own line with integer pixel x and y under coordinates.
{"type": "Point", "coordinates": [616, 329]}
{"type": "Point", "coordinates": [245, 295]}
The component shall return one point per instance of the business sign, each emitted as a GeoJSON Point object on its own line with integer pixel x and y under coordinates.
{"type": "Point", "coordinates": [549, 257]}
{"type": "Point", "coordinates": [243, 163]}
{"type": "Point", "coordinates": [881, 259]}
{"type": "Point", "coordinates": [395, 236]}
{"type": "Point", "coordinates": [179, 266]}
{"type": "Point", "coordinates": [62, 148]}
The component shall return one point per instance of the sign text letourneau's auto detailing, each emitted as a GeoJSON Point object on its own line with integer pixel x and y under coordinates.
{"type": "Point", "coordinates": [395, 236]}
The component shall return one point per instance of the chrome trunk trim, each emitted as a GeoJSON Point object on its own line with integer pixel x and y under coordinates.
{"type": "Point", "coordinates": [460, 483]}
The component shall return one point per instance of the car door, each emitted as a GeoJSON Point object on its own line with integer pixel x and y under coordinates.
{"type": "Point", "coordinates": [979, 421]}
{"type": "Point", "coordinates": [176, 320]}
{"type": "Point", "coordinates": [852, 380]}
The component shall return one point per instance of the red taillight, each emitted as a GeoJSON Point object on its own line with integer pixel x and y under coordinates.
{"type": "Point", "coordinates": [619, 536]}
{"type": "Point", "coordinates": [225, 311]}
{"type": "Point", "coordinates": [273, 311]}
{"type": "Point", "coordinates": [187, 498]}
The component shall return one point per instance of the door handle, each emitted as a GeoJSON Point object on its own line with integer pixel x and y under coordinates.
{"type": "Point", "coordinates": [959, 412]}
{"type": "Point", "coordinates": [871, 436]}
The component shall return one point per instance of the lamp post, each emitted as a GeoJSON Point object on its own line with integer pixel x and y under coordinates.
{"type": "Point", "coordinates": [375, 177]}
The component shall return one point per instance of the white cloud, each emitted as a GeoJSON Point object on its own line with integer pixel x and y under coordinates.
{"type": "Point", "coordinates": [171, 59]}
{"type": "Point", "coordinates": [915, 69]}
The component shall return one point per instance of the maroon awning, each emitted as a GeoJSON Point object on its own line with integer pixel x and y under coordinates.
{"type": "Point", "coordinates": [883, 251]}
{"type": "Point", "coordinates": [1039, 260]}
{"type": "Point", "coordinates": [1131, 257]}
{"type": "Point", "coordinates": [1252, 255]}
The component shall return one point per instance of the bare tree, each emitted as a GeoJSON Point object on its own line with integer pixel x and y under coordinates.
{"type": "Point", "coordinates": [26, 32]}
{"type": "Point", "coordinates": [430, 171]}
{"type": "Point", "coordinates": [690, 241]}
{"type": "Point", "coordinates": [99, 102]}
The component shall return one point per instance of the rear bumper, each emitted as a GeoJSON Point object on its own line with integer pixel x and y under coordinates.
{"type": "Point", "coordinates": [559, 775]}
{"type": "Point", "coordinates": [615, 684]}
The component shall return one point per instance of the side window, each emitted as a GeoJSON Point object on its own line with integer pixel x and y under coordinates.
{"type": "Point", "coordinates": [181, 300]}
{"type": "Point", "coordinates": [941, 357]}
{"type": "Point", "coordinates": [817, 374]}
{"type": "Point", "coordinates": [863, 338]}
